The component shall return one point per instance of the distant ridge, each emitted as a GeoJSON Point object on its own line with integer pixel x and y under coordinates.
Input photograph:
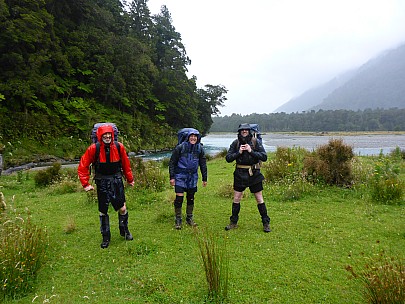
{"type": "Point", "coordinates": [379, 83]}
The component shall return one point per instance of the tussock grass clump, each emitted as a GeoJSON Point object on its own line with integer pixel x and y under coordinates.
{"type": "Point", "coordinates": [215, 261]}
{"type": "Point", "coordinates": [3, 205]}
{"type": "Point", "coordinates": [22, 253]}
{"type": "Point", "coordinates": [330, 164]}
{"type": "Point", "coordinates": [382, 279]}
{"type": "Point", "coordinates": [70, 225]}
{"type": "Point", "coordinates": [220, 154]}
{"type": "Point", "coordinates": [226, 191]}
{"type": "Point", "coordinates": [148, 175]}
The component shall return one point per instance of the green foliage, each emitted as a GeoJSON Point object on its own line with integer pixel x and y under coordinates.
{"type": "Point", "coordinates": [382, 279]}
{"type": "Point", "coordinates": [386, 186]}
{"type": "Point", "coordinates": [48, 176]}
{"type": "Point", "coordinates": [330, 164]}
{"type": "Point", "coordinates": [23, 247]}
{"type": "Point", "coordinates": [64, 69]}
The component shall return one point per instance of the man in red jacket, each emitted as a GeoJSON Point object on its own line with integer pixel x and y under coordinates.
{"type": "Point", "coordinates": [110, 162]}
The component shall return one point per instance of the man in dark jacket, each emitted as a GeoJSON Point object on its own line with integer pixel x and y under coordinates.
{"type": "Point", "coordinates": [183, 170]}
{"type": "Point", "coordinates": [110, 163]}
{"type": "Point", "coordinates": [248, 152]}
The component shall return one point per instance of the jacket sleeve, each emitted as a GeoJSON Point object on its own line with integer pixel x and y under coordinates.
{"type": "Point", "coordinates": [126, 165]}
{"type": "Point", "coordinates": [233, 152]}
{"type": "Point", "coordinates": [174, 159]}
{"type": "Point", "coordinates": [203, 165]}
{"type": "Point", "coordinates": [86, 160]}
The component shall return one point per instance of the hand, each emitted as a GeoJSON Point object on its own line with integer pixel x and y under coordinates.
{"type": "Point", "coordinates": [204, 184]}
{"type": "Point", "coordinates": [131, 183]}
{"type": "Point", "coordinates": [172, 182]}
{"type": "Point", "coordinates": [88, 188]}
{"type": "Point", "coordinates": [245, 147]}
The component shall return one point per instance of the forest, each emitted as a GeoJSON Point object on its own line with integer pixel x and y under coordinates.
{"type": "Point", "coordinates": [318, 121]}
{"type": "Point", "coordinates": [67, 64]}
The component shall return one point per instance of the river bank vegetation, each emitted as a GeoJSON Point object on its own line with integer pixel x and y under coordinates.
{"type": "Point", "coordinates": [337, 236]}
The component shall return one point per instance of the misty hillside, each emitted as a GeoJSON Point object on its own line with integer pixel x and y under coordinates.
{"type": "Point", "coordinates": [315, 96]}
{"type": "Point", "coordinates": [379, 83]}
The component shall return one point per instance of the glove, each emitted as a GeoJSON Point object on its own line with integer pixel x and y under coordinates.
{"type": "Point", "coordinates": [88, 188]}
{"type": "Point", "coordinates": [131, 183]}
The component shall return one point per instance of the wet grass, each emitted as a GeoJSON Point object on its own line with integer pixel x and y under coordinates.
{"type": "Point", "coordinates": [303, 260]}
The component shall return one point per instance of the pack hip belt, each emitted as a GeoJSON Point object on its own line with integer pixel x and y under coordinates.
{"type": "Point", "coordinates": [255, 166]}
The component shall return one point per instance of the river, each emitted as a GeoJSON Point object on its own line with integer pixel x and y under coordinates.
{"type": "Point", "coordinates": [363, 144]}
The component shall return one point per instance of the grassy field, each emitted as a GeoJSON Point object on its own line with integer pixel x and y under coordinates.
{"type": "Point", "coordinates": [302, 260]}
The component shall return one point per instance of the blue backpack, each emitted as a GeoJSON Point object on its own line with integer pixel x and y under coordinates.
{"type": "Point", "coordinates": [182, 136]}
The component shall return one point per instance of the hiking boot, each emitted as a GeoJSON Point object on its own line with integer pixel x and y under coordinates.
{"type": "Point", "coordinates": [266, 228]}
{"type": "Point", "coordinates": [106, 240]}
{"type": "Point", "coordinates": [177, 223]}
{"type": "Point", "coordinates": [190, 222]}
{"type": "Point", "coordinates": [231, 226]}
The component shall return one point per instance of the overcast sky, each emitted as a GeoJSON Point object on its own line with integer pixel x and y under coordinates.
{"type": "Point", "coordinates": [267, 51]}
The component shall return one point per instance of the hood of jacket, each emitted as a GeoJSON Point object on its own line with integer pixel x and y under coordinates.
{"type": "Point", "coordinates": [105, 129]}
{"type": "Point", "coordinates": [195, 132]}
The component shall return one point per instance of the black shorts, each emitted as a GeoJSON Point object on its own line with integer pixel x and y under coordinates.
{"type": "Point", "coordinates": [110, 190]}
{"type": "Point", "coordinates": [179, 189]}
{"type": "Point", "coordinates": [253, 188]}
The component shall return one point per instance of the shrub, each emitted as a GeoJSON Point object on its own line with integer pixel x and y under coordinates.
{"type": "Point", "coordinates": [330, 164]}
{"type": "Point", "coordinates": [397, 153]}
{"type": "Point", "coordinates": [382, 279]}
{"type": "Point", "coordinates": [22, 253]}
{"type": "Point", "coordinates": [48, 176]}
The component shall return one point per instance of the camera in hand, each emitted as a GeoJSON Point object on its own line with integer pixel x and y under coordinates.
{"type": "Point", "coordinates": [243, 141]}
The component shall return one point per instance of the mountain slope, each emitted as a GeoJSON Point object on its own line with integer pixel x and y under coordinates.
{"type": "Point", "coordinates": [379, 83]}
{"type": "Point", "coordinates": [315, 96]}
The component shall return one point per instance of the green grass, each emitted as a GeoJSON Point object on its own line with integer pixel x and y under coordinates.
{"type": "Point", "coordinates": [302, 260]}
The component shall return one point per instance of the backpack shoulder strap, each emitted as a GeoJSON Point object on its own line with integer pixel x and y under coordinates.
{"type": "Point", "coordinates": [118, 148]}
{"type": "Point", "coordinates": [97, 155]}
{"type": "Point", "coordinates": [254, 141]}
